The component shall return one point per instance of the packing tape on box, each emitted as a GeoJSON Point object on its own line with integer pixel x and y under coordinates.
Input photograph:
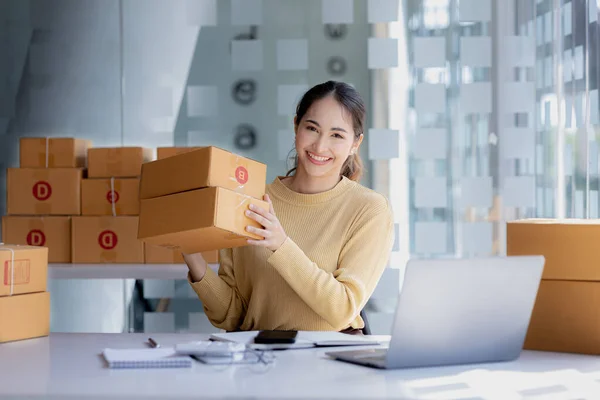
{"type": "Point", "coordinates": [47, 150]}
{"type": "Point", "coordinates": [12, 266]}
{"type": "Point", "coordinates": [112, 196]}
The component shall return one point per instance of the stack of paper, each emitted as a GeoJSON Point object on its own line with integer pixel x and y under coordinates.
{"type": "Point", "coordinates": [305, 339]}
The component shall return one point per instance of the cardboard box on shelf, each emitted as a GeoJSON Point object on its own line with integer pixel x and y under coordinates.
{"type": "Point", "coordinates": [105, 239]}
{"type": "Point", "coordinates": [53, 152]}
{"type": "Point", "coordinates": [37, 191]}
{"type": "Point", "coordinates": [205, 167]}
{"type": "Point", "coordinates": [565, 318]}
{"type": "Point", "coordinates": [570, 246]}
{"type": "Point", "coordinates": [117, 162]}
{"type": "Point", "coordinates": [112, 196]}
{"type": "Point", "coordinates": [51, 232]}
{"type": "Point", "coordinates": [164, 152]}
{"type": "Point", "coordinates": [162, 255]}
{"type": "Point", "coordinates": [24, 316]}
{"type": "Point", "coordinates": [23, 269]}
{"type": "Point", "coordinates": [199, 220]}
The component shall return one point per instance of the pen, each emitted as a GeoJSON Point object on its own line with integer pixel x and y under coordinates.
{"type": "Point", "coordinates": [153, 343]}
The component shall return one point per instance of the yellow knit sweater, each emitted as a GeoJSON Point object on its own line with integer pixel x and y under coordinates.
{"type": "Point", "coordinates": [319, 279]}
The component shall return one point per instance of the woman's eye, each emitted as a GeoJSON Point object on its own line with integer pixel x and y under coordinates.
{"type": "Point", "coordinates": [312, 128]}
{"type": "Point", "coordinates": [337, 135]}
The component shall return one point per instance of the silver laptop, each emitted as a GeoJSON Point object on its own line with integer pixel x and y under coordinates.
{"type": "Point", "coordinates": [459, 311]}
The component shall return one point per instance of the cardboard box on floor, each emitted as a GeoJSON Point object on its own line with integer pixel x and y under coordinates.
{"type": "Point", "coordinates": [106, 240]}
{"type": "Point", "coordinates": [205, 167]}
{"type": "Point", "coordinates": [51, 232]}
{"type": "Point", "coordinates": [53, 152]}
{"type": "Point", "coordinates": [199, 220]}
{"type": "Point", "coordinates": [117, 162]}
{"type": "Point", "coordinates": [23, 269]}
{"type": "Point", "coordinates": [162, 255]}
{"type": "Point", "coordinates": [165, 152]}
{"type": "Point", "coordinates": [564, 317]}
{"type": "Point", "coordinates": [38, 191]}
{"type": "Point", "coordinates": [113, 196]}
{"type": "Point", "coordinates": [24, 316]}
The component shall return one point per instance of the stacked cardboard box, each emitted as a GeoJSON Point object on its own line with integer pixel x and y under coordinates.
{"type": "Point", "coordinates": [24, 301]}
{"type": "Point", "coordinates": [565, 316]}
{"type": "Point", "coordinates": [107, 230]}
{"type": "Point", "coordinates": [196, 201]}
{"type": "Point", "coordinates": [44, 193]}
{"type": "Point", "coordinates": [162, 255]}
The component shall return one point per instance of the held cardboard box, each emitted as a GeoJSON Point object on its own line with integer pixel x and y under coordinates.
{"type": "Point", "coordinates": [113, 196]}
{"type": "Point", "coordinates": [165, 152]}
{"type": "Point", "coordinates": [51, 232]}
{"type": "Point", "coordinates": [565, 318]}
{"type": "Point", "coordinates": [162, 255]}
{"type": "Point", "coordinates": [36, 191]}
{"type": "Point", "coordinates": [24, 269]}
{"type": "Point", "coordinates": [24, 316]}
{"type": "Point", "coordinates": [570, 246]}
{"type": "Point", "coordinates": [53, 152]}
{"type": "Point", "coordinates": [205, 167]}
{"type": "Point", "coordinates": [199, 220]}
{"type": "Point", "coordinates": [106, 240]}
{"type": "Point", "coordinates": [117, 162]}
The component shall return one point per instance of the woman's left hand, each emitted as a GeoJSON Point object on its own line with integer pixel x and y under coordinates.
{"type": "Point", "coordinates": [272, 231]}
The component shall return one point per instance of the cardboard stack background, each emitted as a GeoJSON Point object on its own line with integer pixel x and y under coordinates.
{"type": "Point", "coordinates": [44, 193]}
{"type": "Point", "coordinates": [204, 210]}
{"type": "Point", "coordinates": [162, 255]}
{"type": "Point", "coordinates": [24, 300]}
{"type": "Point", "coordinates": [106, 232]}
{"type": "Point", "coordinates": [565, 315]}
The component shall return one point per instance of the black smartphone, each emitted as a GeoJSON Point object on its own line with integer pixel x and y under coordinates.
{"type": "Point", "coordinates": [274, 337]}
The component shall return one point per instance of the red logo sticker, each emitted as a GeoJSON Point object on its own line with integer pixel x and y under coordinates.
{"type": "Point", "coordinates": [42, 190]}
{"type": "Point", "coordinates": [108, 240]}
{"type": "Point", "coordinates": [21, 273]}
{"type": "Point", "coordinates": [112, 196]}
{"type": "Point", "coordinates": [241, 175]}
{"type": "Point", "coordinates": [36, 238]}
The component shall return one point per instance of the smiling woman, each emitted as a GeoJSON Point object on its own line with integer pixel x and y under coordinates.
{"type": "Point", "coordinates": [326, 238]}
{"type": "Point", "coordinates": [329, 127]}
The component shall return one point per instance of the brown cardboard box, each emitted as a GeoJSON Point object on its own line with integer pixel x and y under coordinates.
{"type": "Point", "coordinates": [106, 240]}
{"type": "Point", "coordinates": [51, 232]}
{"type": "Point", "coordinates": [117, 162]}
{"type": "Point", "coordinates": [23, 268]}
{"type": "Point", "coordinates": [569, 246]}
{"type": "Point", "coordinates": [199, 220]}
{"type": "Point", "coordinates": [24, 316]}
{"type": "Point", "coordinates": [208, 166]}
{"type": "Point", "coordinates": [99, 195]}
{"type": "Point", "coordinates": [565, 318]}
{"type": "Point", "coordinates": [53, 152]}
{"type": "Point", "coordinates": [38, 191]}
{"type": "Point", "coordinates": [165, 152]}
{"type": "Point", "coordinates": [162, 255]}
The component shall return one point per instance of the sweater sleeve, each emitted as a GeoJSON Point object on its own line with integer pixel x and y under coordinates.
{"type": "Point", "coordinates": [339, 297]}
{"type": "Point", "coordinates": [223, 304]}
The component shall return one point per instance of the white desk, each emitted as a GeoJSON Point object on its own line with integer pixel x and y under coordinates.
{"type": "Point", "coordinates": [69, 366]}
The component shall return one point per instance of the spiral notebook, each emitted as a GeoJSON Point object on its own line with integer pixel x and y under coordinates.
{"type": "Point", "coordinates": [145, 358]}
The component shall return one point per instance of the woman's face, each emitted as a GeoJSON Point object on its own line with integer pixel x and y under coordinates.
{"type": "Point", "coordinates": [325, 138]}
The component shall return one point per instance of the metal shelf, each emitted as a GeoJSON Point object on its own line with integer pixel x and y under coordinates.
{"type": "Point", "coordinates": [120, 271]}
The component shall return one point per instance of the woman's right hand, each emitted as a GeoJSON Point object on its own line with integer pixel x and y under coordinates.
{"type": "Point", "coordinates": [196, 264]}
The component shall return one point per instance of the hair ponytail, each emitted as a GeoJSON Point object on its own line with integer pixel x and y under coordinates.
{"type": "Point", "coordinates": [353, 168]}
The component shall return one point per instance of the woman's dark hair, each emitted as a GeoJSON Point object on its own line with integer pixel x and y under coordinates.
{"type": "Point", "coordinates": [351, 101]}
